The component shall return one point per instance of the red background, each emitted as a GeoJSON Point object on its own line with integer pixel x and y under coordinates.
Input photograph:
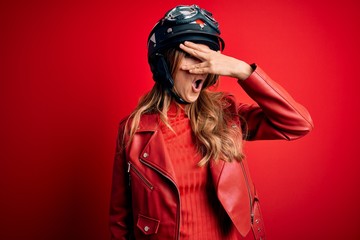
{"type": "Point", "coordinates": [70, 70]}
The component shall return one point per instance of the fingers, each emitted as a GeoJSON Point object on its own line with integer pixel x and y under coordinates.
{"type": "Point", "coordinates": [194, 66]}
{"type": "Point", "coordinates": [195, 50]}
{"type": "Point", "coordinates": [196, 46]}
{"type": "Point", "coordinates": [204, 70]}
{"type": "Point", "coordinates": [200, 68]}
{"type": "Point", "coordinates": [204, 54]}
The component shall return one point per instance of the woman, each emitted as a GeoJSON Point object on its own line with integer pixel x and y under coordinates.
{"type": "Point", "coordinates": [179, 170]}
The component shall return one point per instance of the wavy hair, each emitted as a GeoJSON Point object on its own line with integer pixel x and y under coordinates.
{"type": "Point", "coordinates": [215, 137]}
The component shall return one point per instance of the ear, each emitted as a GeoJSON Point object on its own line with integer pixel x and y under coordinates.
{"type": "Point", "coordinates": [161, 72]}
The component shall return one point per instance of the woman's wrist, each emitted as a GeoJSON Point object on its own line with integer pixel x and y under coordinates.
{"type": "Point", "coordinates": [244, 71]}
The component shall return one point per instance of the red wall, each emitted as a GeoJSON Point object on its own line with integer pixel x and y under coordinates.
{"type": "Point", "coordinates": [70, 70]}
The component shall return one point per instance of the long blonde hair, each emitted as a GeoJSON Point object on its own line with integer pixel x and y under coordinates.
{"type": "Point", "coordinates": [209, 118]}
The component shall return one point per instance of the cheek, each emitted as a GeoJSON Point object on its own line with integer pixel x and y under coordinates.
{"type": "Point", "coordinates": [179, 79]}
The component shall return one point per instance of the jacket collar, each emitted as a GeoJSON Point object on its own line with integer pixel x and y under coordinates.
{"type": "Point", "coordinates": [154, 153]}
{"type": "Point", "coordinates": [148, 123]}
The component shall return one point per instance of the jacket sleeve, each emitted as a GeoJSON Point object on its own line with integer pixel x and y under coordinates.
{"type": "Point", "coordinates": [120, 200]}
{"type": "Point", "coordinates": [276, 115]}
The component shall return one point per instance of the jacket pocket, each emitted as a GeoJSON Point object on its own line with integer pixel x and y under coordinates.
{"type": "Point", "coordinates": [147, 225]}
{"type": "Point", "coordinates": [257, 221]}
{"type": "Point", "coordinates": [132, 168]}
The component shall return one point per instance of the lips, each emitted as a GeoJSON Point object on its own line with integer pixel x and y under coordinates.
{"type": "Point", "coordinates": [197, 85]}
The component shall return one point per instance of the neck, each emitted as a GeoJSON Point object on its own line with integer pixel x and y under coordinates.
{"type": "Point", "coordinates": [177, 97]}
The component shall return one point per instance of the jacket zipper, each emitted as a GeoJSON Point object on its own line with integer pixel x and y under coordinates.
{"type": "Point", "coordinates": [249, 192]}
{"type": "Point", "coordinates": [178, 194]}
{"type": "Point", "coordinates": [145, 181]}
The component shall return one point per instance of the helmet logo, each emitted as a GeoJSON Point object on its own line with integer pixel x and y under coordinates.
{"type": "Point", "coordinates": [200, 22]}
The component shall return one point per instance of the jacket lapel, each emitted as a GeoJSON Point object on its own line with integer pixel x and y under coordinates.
{"type": "Point", "coordinates": [153, 152]}
{"type": "Point", "coordinates": [231, 189]}
{"type": "Point", "coordinates": [228, 178]}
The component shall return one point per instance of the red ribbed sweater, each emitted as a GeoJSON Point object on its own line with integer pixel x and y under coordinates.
{"type": "Point", "coordinates": [202, 216]}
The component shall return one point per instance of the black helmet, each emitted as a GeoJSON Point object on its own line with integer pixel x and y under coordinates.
{"type": "Point", "coordinates": [182, 23]}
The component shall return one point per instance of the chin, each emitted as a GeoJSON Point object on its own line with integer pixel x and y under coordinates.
{"type": "Point", "coordinates": [191, 99]}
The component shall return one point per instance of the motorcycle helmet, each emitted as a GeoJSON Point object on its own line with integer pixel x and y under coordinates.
{"type": "Point", "coordinates": [182, 23]}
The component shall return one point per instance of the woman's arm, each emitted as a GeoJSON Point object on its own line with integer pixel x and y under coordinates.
{"type": "Point", "coordinates": [277, 115]}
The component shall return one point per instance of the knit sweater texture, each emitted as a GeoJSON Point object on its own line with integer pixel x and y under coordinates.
{"type": "Point", "coordinates": [202, 216]}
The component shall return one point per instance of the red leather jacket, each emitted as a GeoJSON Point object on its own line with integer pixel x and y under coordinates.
{"type": "Point", "coordinates": [145, 201]}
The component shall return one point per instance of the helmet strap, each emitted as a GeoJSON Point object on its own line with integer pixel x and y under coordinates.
{"type": "Point", "coordinates": [177, 97]}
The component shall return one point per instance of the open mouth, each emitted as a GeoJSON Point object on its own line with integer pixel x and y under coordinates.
{"type": "Point", "coordinates": [197, 84]}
